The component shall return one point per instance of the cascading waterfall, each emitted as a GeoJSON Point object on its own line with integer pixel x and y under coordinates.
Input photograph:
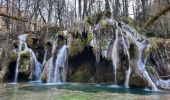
{"type": "Point", "coordinates": [128, 72]}
{"type": "Point", "coordinates": [115, 56]}
{"type": "Point", "coordinates": [37, 65]}
{"type": "Point", "coordinates": [57, 66]}
{"type": "Point", "coordinates": [94, 43]}
{"type": "Point", "coordinates": [50, 62]}
{"type": "Point", "coordinates": [131, 36]}
{"type": "Point", "coordinates": [22, 39]}
{"type": "Point", "coordinates": [141, 65]}
{"type": "Point", "coordinates": [136, 38]}
{"type": "Point", "coordinates": [61, 66]}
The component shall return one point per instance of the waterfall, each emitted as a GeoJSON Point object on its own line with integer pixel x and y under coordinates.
{"type": "Point", "coordinates": [115, 56]}
{"type": "Point", "coordinates": [50, 62]}
{"type": "Point", "coordinates": [22, 39]}
{"type": "Point", "coordinates": [37, 65]}
{"type": "Point", "coordinates": [141, 65]}
{"type": "Point", "coordinates": [57, 67]}
{"type": "Point", "coordinates": [60, 65]}
{"type": "Point", "coordinates": [136, 38]}
{"type": "Point", "coordinates": [131, 36]}
{"type": "Point", "coordinates": [128, 72]}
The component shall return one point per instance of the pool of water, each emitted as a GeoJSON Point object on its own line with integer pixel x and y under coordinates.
{"type": "Point", "coordinates": [77, 91]}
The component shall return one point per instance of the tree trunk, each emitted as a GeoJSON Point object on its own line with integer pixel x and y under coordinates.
{"type": "Point", "coordinates": [155, 17]}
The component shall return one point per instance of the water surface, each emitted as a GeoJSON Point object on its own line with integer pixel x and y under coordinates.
{"type": "Point", "coordinates": [77, 91]}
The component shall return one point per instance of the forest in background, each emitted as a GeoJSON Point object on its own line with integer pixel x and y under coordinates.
{"type": "Point", "coordinates": [149, 17]}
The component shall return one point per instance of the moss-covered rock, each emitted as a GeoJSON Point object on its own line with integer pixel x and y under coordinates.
{"type": "Point", "coordinates": [95, 18]}
{"type": "Point", "coordinates": [16, 43]}
{"type": "Point", "coordinates": [13, 56]}
{"type": "Point", "coordinates": [6, 58]}
{"type": "Point", "coordinates": [79, 29]}
{"type": "Point", "coordinates": [78, 37]}
{"type": "Point", "coordinates": [152, 72]}
{"type": "Point", "coordinates": [76, 47]}
{"type": "Point", "coordinates": [25, 63]}
{"type": "Point", "coordinates": [31, 39]}
{"type": "Point", "coordinates": [159, 56]}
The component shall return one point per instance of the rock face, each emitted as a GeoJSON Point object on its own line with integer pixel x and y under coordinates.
{"type": "Point", "coordinates": [82, 68]}
{"type": "Point", "coordinates": [160, 57]}
{"type": "Point", "coordinates": [8, 61]}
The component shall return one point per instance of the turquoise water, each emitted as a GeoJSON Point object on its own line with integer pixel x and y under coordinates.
{"type": "Point", "coordinates": [77, 91]}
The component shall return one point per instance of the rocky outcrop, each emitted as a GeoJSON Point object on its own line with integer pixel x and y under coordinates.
{"type": "Point", "coordinates": [8, 58]}
{"type": "Point", "coordinates": [160, 56]}
{"type": "Point", "coordinates": [83, 68]}
{"type": "Point", "coordinates": [91, 46]}
{"type": "Point", "coordinates": [78, 37]}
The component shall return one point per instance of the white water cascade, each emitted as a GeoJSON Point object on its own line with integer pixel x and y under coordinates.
{"type": "Point", "coordinates": [115, 56]}
{"type": "Point", "coordinates": [133, 35]}
{"type": "Point", "coordinates": [21, 41]}
{"type": "Point", "coordinates": [57, 66]}
{"type": "Point", "coordinates": [126, 45]}
{"type": "Point", "coordinates": [37, 65]}
{"type": "Point", "coordinates": [50, 62]}
{"type": "Point", "coordinates": [60, 71]}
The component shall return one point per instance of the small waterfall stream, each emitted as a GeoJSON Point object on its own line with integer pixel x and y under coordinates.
{"type": "Point", "coordinates": [115, 56]}
{"type": "Point", "coordinates": [51, 63]}
{"type": "Point", "coordinates": [37, 65]}
{"type": "Point", "coordinates": [136, 38]}
{"type": "Point", "coordinates": [57, 66]}
{"type": "Point", "coordinates": [60, 70]}
{"type": "Point", "coordinates": [126, 46]}
{"type": "Point", "coordinates": [22, 39]}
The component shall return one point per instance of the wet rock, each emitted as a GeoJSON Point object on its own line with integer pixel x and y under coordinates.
{"type": "Point", "coordinates": [163, 84]}
{"type": "Point", "coordinates": [83, 68]}
{"type": "Point", "coordinates": [136, 78]}
{"type": "Point", "coordinates": [160, 56]}
{"type": "Point", "coordinates": [6, 58]}
{"type": "Point", "coordinates": [25, 63]}
{"type": "Point", "coordinates": [78, 37]}
{"type": "Point", "coordinates": [36, 42]}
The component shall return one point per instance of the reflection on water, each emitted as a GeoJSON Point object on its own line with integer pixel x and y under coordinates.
{"type": "Point", "coordinates": [76, 91]}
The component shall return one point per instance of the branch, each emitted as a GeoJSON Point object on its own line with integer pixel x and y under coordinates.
{"type": "Point", "coordinates": [13, 17]}
{"type": "Point", "coordinates": [155, 17]}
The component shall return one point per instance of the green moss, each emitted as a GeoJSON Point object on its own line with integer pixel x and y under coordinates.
{"type": "Point", "coordinates": [16, 42]}
{"type": "Point", "coordinates": [60, 33]}
{"type": "Point", "coordinates": [76, 47]}
{"type": "Point", "coordinates": [89, 38]}
{"type": "Point", "coordinates": [152, 72]}
{"type": "Point", "coordinates": [133, 51]}
{"type": "Point", "coordinates": [13, 56]}
{"type": "Point", "coordinates": [25, 62]}
{"type": "Point", "coordinates": [95, 18]}
{"type": "Point", "coordinates": [24, 65]}
{"type": "Point", "coordinates": [77, 78]}
{"type": "Point", "coordinates": [25, 55]}
{"type": "Point", "coordinates": [102, 43]}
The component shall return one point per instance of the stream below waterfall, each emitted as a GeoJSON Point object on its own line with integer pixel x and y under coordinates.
{"type": "Point", "coordinates": [75, 91]}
